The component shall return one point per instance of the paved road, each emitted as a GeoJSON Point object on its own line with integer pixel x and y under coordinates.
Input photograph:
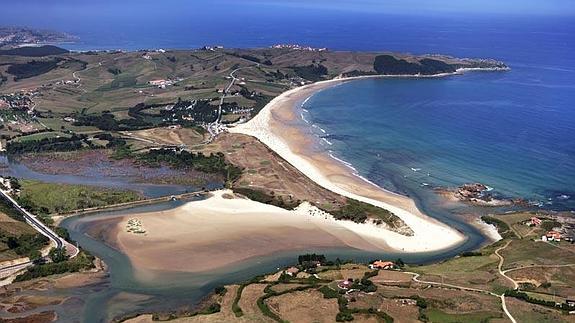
{"type": "Point", "coordinates": [41, 227]}
{"type": "Point", "coordinates": [213, 127]}
{"type": "Point", "coordinates": [539, 266]}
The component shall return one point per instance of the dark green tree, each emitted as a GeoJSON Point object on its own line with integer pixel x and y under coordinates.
{"type": "Point", "coordinates": [58, 255]}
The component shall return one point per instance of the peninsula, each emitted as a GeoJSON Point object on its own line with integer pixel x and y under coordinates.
{"type": "Point", "coordinates": [11, 37]}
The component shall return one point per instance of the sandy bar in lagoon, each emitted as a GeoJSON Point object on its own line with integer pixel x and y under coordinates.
{"type": "Point", "coordinates": [274, 126]}
{"type": "Point", "coordinates": [219, 231]}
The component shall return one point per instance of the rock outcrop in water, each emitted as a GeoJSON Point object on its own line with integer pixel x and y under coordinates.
{"type": "Point", "coordinates": [476, 194]}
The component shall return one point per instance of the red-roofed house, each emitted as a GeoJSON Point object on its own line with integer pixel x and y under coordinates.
{"type": "Point", "coordinates": [535, 221]}
{"type": "Point", "coordinates": [380, 264]}
{"type": "Point", "coordinates": [551, 236]}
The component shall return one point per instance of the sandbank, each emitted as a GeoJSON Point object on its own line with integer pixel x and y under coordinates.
{"type": "Point", "coordinates": [225, 229]}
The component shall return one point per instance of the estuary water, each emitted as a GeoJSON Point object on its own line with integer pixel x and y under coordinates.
{"type": "Point", "coordinates": [123, 294]}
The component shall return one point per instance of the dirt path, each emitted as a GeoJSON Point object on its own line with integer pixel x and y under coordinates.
{"type": "Point", "coordinates": [471, 289]}
{"type": "Point", "coordinates": [500, 265]}
{"type": "Point", "coordinates": [502, 296]}
{"type": "Point", "coordinates": [501, 272]}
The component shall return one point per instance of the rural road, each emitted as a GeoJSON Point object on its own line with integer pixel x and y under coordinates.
{"type": "Point", "coordinates": [502, 296]}
{"type": "Point", "coordinates": [500, 266]}
{"type": "Point", "coordinates": [31, 219]}
{"type": "Point", "coordinates": [213, 127]}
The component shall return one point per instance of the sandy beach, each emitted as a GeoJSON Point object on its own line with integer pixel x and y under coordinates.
{"type": "Point", "coordinates": [277, 127]}
{"type": "Point", "coordinates": [225, 229]}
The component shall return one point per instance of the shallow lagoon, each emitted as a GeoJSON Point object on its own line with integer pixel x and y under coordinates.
{"type": "Point", "coordinates": [124, 294]}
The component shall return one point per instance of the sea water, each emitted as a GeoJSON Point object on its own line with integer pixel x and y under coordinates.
{"type": "Point", "coordinates": [513, 131]}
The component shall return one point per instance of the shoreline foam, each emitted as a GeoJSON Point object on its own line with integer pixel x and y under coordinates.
{"type": "Point", "coordinates": [270, 126]}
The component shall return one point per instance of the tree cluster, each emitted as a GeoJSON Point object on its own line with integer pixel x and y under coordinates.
{"type": "Point", "coordinates": [32, 68]}
{"type": "Point", "coordinates": [75, 142]}
{"type": "Point", "coordinates": [83, 261]}
{"type": "Point", "coordinates": [108, 122]}
{"type": "Point", "coordinates": [26, 245]}
{"type": "Point", "coordinates": [213, 163]}
{"type": "Point", "coordinates": [524, 296]}
{"type": "Point", "coordinates": [389, 65]}
{"type": "Point", "coordinates": [313, 72]}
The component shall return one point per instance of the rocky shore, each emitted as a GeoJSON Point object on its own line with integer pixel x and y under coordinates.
{"type": "Point", "coordinates": [478, 194]}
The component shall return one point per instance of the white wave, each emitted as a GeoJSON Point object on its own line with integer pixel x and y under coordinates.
{"type": "Point", "coordinates": [355, 172]}
{"type": "Point", "coordinates": [366, 180]}
{"type": "Point", "coordinates": [319, 128]}
{"type": "Point", "coordinates": [349, 165]}
{"type": "Point", "coordinates": [327, 141]}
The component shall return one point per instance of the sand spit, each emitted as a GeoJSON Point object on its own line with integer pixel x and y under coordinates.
{"type": "Point", "coordinates": [274, 126]}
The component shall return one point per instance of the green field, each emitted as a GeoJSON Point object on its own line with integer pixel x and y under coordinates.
{"type": "Point", "coordinates": [49, 198]}
{"type": "Point", "coordinates": [436, 315]}
{"type": "Point", "coordinates": [42, 135]}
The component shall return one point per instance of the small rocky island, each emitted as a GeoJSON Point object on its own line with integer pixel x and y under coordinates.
{"type": "Point", "coordinates": [476, 194]}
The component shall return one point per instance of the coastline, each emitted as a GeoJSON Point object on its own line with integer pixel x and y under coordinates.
{"type": "Point", "coordinates": [274, 127]}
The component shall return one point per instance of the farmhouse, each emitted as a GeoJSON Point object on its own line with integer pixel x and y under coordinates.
{"type": "Point", "coordinates": [552, 236]}
{"type": "Point", "coordinates": [292, 271]}
{"type": "Point", "coordinates": [535, 221]}
{"type": "Point", "coordinates": [380, 264]}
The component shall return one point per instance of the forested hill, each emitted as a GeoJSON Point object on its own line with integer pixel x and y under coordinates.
{"type": "Point", "coordinates": [34, 51]}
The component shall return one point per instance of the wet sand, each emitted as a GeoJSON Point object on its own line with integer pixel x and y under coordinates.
{"type": "Point", "coordinates": [220, 231]}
